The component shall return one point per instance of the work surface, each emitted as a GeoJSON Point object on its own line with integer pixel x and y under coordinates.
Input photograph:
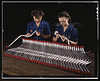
{"type": "Point", "coordinates": [17, 67]}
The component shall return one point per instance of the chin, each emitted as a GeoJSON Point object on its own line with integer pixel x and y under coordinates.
{"type": "Point", "coordinates": [38, 22]}
{"type": "Point", "coordinates": [63, 25]}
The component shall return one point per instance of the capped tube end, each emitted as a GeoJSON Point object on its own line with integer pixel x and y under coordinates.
{"type": "Point", "coordinates": [6, 46]}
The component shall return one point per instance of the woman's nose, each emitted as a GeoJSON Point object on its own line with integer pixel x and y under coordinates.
{"type": "Point", "coordinates": [62, 23]}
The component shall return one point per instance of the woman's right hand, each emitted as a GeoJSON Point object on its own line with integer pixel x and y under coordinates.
{"type": "Point", "coordinates": [57, 36]}
{"type": "Point", "coordinates": [28, 34]}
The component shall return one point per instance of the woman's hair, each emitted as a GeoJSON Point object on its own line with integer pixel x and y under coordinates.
{"type": "Point", "coordinates": [37, 12]}
{"type": "Point", "coordinates": [64, 14]}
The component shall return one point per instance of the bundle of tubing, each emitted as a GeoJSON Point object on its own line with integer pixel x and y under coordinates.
{"type": "Point", "coordinates": [68, 57]}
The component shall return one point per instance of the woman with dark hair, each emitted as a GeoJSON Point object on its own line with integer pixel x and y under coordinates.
{"type": "Point", "coordinates": [65, 30]}
{"type": "Point", "coordinates": [41, 27]}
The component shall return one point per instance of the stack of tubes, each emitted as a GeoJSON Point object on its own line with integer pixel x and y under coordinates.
{"type": "Point", "coordinates": [68, 57]}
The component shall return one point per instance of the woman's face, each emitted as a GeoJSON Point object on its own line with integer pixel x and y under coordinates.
{"type": "Point", "coordinates": [37, 19]}
{"type": "Point", "coordinates": [63, 21]}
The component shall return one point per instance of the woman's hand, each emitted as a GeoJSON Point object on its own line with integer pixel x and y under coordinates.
{"type": "Point", "coordinates": [38, 33]}
{"type": "Point", "coordinates": [63, 38]}
{"type": "Point", "coordinates": [28, 34]}
{"type": "Point", "coordinates": [57, 36]}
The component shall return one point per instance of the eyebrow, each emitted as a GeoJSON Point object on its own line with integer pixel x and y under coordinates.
{"type": "Point", "coordinates": [62, 21]}
{"type": "Point", "coordinates": [37, 18]}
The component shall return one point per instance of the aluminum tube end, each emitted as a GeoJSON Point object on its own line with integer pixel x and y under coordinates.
{"type": "Point", "coordinates": [6, 46]}
{"type": "Point", "coordinates": [75, 70]}
{"type": "Point", "coordinates": [88, 73]}
{"type": "Point", "coordinates": [78, 71]}
{"type": "Point", "coordinates": [66, 68]}
{"type": "Point", "coordinates": [82, 72]}
{"type": "Point", "coordinates": [69, 69]}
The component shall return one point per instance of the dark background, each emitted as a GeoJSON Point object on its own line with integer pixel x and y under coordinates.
{"type": "Point", "coordinates": [17, 15]}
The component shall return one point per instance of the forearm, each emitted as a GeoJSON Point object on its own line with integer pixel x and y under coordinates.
{"type": "Point", "coordinates": [28, 34]}
{"type": "Point", "coordinates": [45, 36]}
{"type": "Point", "coordinates": [54, 39]}
{"type": "Point", "coordinates": [72, 42]}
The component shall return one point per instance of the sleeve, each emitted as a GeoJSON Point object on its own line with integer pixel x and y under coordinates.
{"type": "Point", "coordinates": [75, 35]}
{"type": "Point", "coordinates": [28, 28]}
{"type": "Point", "coordinates": [48, 31]}
{"type": "Point", "coordinates": [56, 31]}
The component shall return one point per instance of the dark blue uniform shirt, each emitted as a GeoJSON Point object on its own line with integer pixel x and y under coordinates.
{"type": "Point", "coordinates": [71, 33]}
{"type": "Point", "coordinates": [44, 28]}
